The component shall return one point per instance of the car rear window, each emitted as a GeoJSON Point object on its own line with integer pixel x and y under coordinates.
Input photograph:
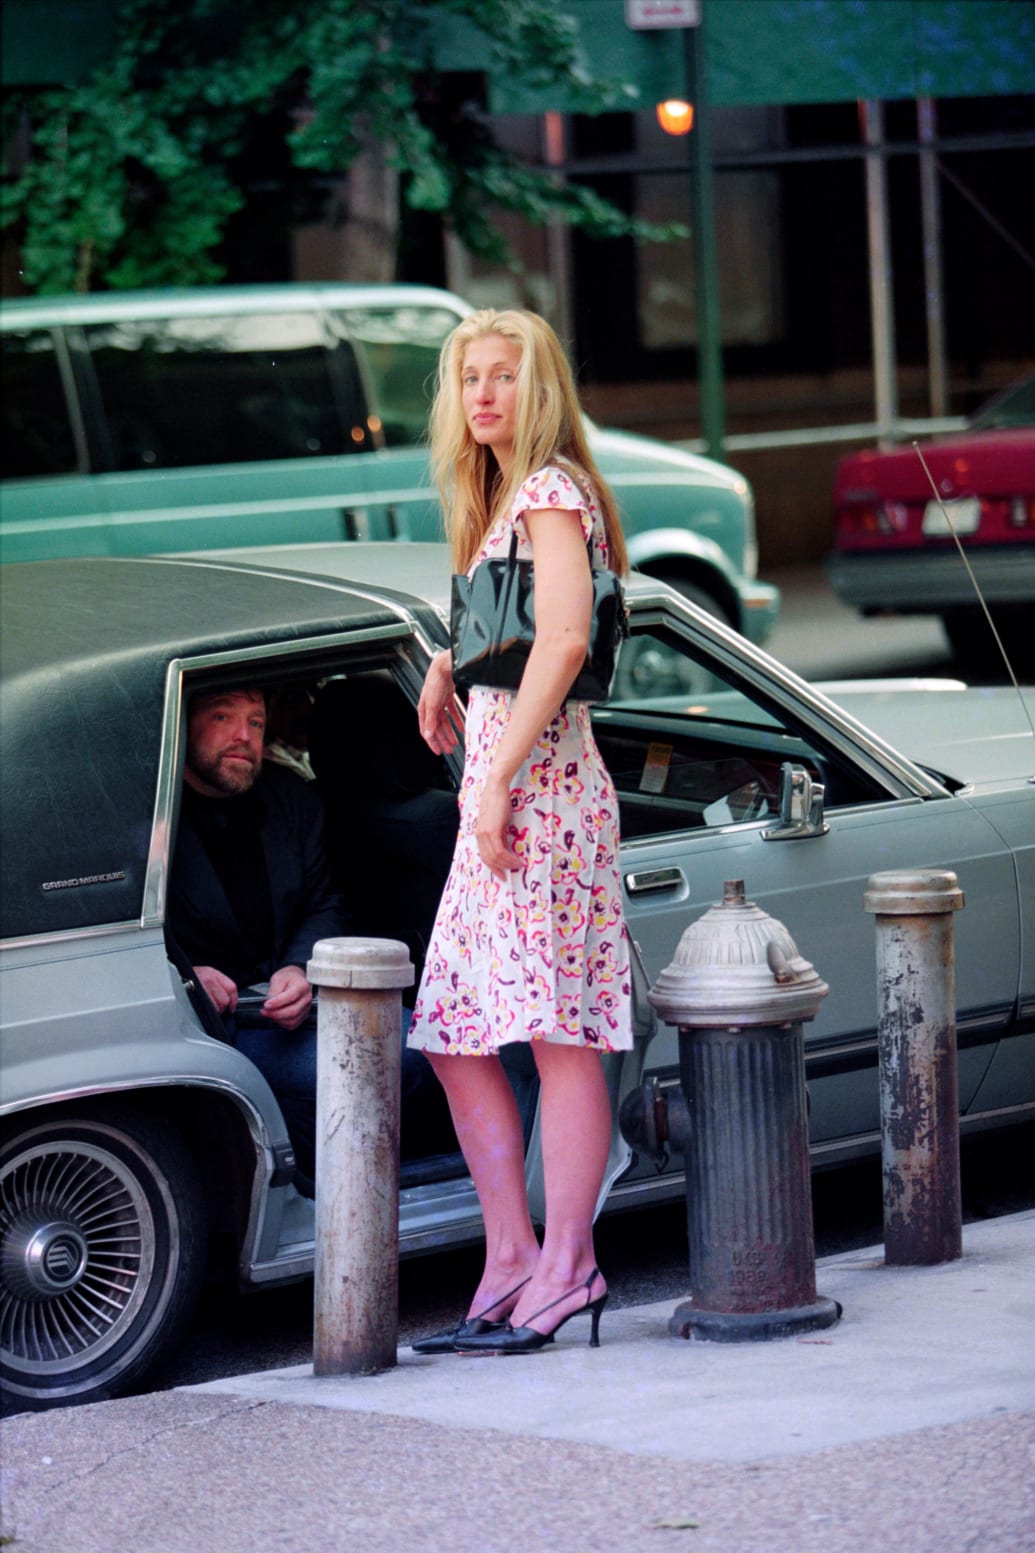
{"type": "Point", "coordinates": [184, 391]}
{"type": "Point", "coordinates": [399, 349]}
{"type": "Point", "coordinates": [37, 433]}
{"type": "Point", "coordinates": [1015, 407]}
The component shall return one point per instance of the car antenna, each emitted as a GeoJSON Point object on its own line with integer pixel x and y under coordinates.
{"type": "Point", "coordinates": [977, 589]}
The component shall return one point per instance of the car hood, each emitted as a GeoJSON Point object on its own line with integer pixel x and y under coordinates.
{"type": "Point", "coordinates": [622, 451]}
{"type": "Point", "coordinates": [978, 736]}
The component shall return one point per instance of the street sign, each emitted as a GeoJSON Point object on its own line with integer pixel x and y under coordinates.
{"type": "Point", "coordinates": [641, 14]}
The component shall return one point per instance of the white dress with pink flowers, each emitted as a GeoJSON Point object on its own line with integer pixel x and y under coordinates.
{"type": "Point", "coordinates": [543, 953]}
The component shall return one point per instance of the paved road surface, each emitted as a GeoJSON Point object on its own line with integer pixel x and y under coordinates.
{"type": "Point", "coordinates": [820, 638]}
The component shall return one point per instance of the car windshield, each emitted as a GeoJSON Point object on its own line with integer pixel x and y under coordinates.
{"type": "Point", "coordinates": [1015, 407]}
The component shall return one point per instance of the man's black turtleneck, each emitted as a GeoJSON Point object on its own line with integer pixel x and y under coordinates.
{"type": "Point", "coordinates": [230, 831]}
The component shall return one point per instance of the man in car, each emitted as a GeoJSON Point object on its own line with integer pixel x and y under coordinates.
{"type": "Point", "coordinates": [250, 894]}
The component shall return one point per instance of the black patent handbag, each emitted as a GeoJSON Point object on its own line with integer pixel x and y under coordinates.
{"type": "Point", "coordinates": [492, 626]}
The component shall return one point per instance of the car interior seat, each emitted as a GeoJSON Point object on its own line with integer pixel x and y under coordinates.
{"type": "Point", "coordinates": [392, 822]}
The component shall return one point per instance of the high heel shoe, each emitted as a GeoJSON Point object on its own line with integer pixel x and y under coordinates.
{"type": "Point", "coordinates": [526, 1339]}
{"type": "Point", "coordinates": [473, 1326]}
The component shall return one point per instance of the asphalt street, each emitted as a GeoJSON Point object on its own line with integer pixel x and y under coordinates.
{"type": "Point", "coordinates": [821, 638]}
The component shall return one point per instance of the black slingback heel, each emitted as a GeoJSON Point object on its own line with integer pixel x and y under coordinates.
{"type": "Point", "coordinates": [526, 1339]}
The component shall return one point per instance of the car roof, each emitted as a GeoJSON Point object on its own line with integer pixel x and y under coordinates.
{"type": "Point", "coordinates": [199, 301]}
{"type": "Point", "coordinates": [87, 645]}
{"type": "Point", "coordinates": [417, 569]}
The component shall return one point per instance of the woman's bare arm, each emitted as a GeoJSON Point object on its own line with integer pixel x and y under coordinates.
{"type": "Point", "coordinates": [436, 709]}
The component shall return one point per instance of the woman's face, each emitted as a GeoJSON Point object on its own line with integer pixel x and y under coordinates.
{"type": "Point", "coordinates": [489, 388]}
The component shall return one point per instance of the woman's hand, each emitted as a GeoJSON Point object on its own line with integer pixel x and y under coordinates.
{"type": "Point", "coordinates": [436, 708]}
{"type": "Point", "coordinates": [492, 831]}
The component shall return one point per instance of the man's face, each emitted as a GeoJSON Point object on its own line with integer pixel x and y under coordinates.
{"type": "Point", "coordinates": [224, 742]}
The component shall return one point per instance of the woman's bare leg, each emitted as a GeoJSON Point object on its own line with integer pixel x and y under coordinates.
{"type": "Point", "coordinates": [576, 1133]}
{"type": "Point", "coordinates": [489, 1129]}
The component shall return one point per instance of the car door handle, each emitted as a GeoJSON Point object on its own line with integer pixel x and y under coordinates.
{"type": "Point", "coordinates": [654, 879]}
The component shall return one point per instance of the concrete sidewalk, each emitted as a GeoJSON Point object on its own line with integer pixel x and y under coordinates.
{"type": "Point", "coordinates": [908, 1425]}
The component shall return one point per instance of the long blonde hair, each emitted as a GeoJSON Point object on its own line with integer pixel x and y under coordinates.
{"type": "Point", "coordinates": [549, 428]}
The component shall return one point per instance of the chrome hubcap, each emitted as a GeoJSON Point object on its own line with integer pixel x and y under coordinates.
{"type": "Point", "coordinates": [76, 1255]}
{"type": "Point", "coordinates": [39, 1261]}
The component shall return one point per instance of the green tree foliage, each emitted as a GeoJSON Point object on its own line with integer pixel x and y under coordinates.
{"type": "Point", "coordinates": [132, 174]}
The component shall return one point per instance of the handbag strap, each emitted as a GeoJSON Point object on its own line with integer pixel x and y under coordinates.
{"type": "Point", "coordinates": [512, 551]}
{"type": "Point", "coordinates": [574, 475]}
{"type": "Point", "coordinates": [568, 469]}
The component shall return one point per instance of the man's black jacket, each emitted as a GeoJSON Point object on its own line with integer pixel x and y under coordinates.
{"type": "Point", "coordinates": [305, 906]}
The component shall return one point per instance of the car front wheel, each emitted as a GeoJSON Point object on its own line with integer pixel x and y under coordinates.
{"type": "Point", "coordinates": [102, 1248]}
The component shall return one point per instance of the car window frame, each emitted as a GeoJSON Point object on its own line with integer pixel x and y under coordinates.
{"type": "Point", "coordinates": [799, 710]}
{"type": "Point", "coordinates": [385, 647]}
{"type": "Point", "coordinates": [74, 428]}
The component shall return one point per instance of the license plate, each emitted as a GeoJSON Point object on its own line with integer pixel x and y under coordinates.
{"type": "Point", "coordinates": [965, 513]}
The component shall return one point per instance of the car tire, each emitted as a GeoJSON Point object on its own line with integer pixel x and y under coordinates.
{"type": "Point", "coordinates": [102, 1251]}
{"type": "Point", "coordinates": [974, 647]}
{"type": "Point", "coordinates": [697, 595]}
{"type": "Point", "coordinates": [646, 669]}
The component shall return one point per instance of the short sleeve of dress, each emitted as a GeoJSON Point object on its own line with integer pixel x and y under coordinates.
{"type": "Point", "coordinates": [552, 486]}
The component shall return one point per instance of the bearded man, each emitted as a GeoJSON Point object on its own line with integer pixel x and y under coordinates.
{"type": "Point", "coordinates": [250, 894]}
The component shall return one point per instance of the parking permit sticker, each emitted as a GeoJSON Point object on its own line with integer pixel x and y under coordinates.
{"type": "Point", "coordinates": [655, 768]}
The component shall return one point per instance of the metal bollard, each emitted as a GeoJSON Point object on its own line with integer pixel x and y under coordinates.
{"type": "Point", "coordinates": [739, 991]}
{"type": "Point", "coordinates": [359, 1056]}
{"type": "Point", "coordinates": [919, 1086]}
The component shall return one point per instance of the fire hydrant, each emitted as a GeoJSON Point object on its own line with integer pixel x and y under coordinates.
{"type": "Point", "coordinates": [739, 991]}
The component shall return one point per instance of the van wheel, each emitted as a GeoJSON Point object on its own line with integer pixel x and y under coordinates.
{"type": "Point", "coordinates": [649, 667]}
{"type": "Point", "coordinates": [102, 1249]}
{"type": "Point", "coordinates": [974, 646]}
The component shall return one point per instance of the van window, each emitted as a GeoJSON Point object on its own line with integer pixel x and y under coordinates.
{"type": "Point", "coordinates": [399, 348]}
{"type": "Point", "coordinates": [226, 390]}
{"type": "Point", "coordinates": [37, 433]}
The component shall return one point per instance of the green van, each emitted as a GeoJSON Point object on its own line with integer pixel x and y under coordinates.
{"type": "Point", "coordinates": [142, 422]}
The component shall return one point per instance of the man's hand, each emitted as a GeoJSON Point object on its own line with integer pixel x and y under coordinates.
{"type": "Point", "coordinates": [221, 990]}
{"type": "Point", "coordinates": [290, 997]}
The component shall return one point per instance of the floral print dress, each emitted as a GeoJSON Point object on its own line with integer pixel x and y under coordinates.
{"type": "Point", "coordinates": [543, 953]}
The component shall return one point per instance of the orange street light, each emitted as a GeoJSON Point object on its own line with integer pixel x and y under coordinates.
{"type": "Point", "coordinates": [676, 117]}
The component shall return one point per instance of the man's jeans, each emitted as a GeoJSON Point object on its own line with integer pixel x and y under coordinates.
{"type": "Point", "coordinates": [287, 1061]}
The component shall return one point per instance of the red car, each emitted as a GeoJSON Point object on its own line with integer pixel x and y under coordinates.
{"type": "Point", "coordinates": [894, 550]}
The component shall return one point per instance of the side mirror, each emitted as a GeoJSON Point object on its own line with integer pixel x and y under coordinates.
{"type": "Point", "coordinates": [801, 806]}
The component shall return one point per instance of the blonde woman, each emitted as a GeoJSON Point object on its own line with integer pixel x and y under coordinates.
{"type": "Point", "coordinates": [529, 942]}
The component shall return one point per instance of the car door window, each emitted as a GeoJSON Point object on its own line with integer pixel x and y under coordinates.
{"type": "Point", "coordinates": [179, 392]}
{"type": "Point", "coordinates": [691, 745]}
{"type": "Point", "coordinates": [37, 431]}
{"type": "Point", "coordinates": [398, 349]}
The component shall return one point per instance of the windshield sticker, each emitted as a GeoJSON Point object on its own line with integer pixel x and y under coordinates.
{"type": "Point", "coordinates": [655, 768]}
